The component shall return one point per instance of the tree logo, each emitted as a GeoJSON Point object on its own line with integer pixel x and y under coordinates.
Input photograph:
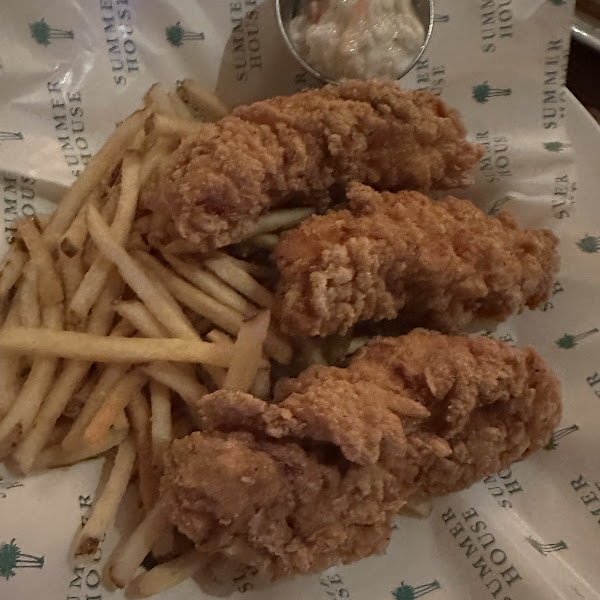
{"type": "Point", "coordinates": [12, 558]}
{"type": "Point", "coordinates": [498, 205]}
{"type": "Point", "coordinates": [556, 146]}
{"type": "Point", "coordinates": [408, 592]}
{"type": "Point", "coordinates": [176, 34]}
{"type": "Point", "coordinates": [568, 341]}
{"type": "Point", "coordinates": [42, 33]}
{"type": "Point", "coordinates": [589, 244]}
{"type": "Point", "coordinates": [441, 18]}
{"type": "Point", "coordinates": [10, 136]}
{"type": "Point", "coordinates": [545, 549]}
{"type": "Point", "coordinates": [558, 435]}
{"type": "Point", "coordinates": [7, 485]}
{"type": "Point", "coordinates": [484, 91]}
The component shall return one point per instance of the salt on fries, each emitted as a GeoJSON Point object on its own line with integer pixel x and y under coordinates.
{"type": "Point", "coordinates": [108, 337]}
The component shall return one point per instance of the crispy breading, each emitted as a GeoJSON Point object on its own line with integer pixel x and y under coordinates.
{"type": "Point", "coordinates": [315, 479]}
{"type": "Point", "coordinates": [436, 264]}
{"type": "Point", "coordinates": [299, 148]}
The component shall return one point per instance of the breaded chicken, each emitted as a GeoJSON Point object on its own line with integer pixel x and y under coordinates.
{"type": "Point", "coordinates": [301, 147]}
{"type": "Point", "coordinates": [436, 264]}
{"type": "Point", "coordinates": [315, 479]}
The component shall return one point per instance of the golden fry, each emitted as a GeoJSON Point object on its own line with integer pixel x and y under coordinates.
{"type": "Point", "coordinates": [240, 280]}
{"type": "Point", "coordinates": [102, 163]}
{"type": "Point", "coordinates": [105, 507]}
{"type": "Point", "coordinates": [28, 305]}
{"type": "Point", "coordinates": [50, 288]}
{"type": "Point", "coordinates": [212, 285]}
{"type": "Point", "coordinates": [158, 304]}
{"type": "Point", "coordinates": [12, 266]}
{"type": "Point", "coordinates": [162, 426]}
{"type": "Point", "coordinates": [247, 353]}
{"type": "Point", "coordinates": [57, 456]}
{"type": "Point", "coordinates": [95, 278]}
{"type": "Point", "coordinates": [164, 576]}
{"type": "Point", "coordinates": [106, 382]}
{"type": "Point", "coordinates": [139, 417]}
{"type": "Point", "coordinates": [114, 403]}
{"type": "Point", "coordinates": [205, 105]}
{"type": "Point", "coordinates": [277, 220]}
{"type": "Point", "coordinates": [130, 556]}
{"type": "Point", "coordinates": [181, 382]}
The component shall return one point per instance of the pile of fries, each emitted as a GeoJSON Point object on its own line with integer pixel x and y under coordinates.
{"type": "Point", "coordinates": [107, 337]}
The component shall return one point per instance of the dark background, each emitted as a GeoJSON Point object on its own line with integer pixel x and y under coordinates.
{"type": "Point", "coordinates": [583, 77]}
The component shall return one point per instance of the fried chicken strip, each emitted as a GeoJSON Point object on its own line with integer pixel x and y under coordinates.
{"type": "Point", "coordinates": [315, 479]}
{"type": "Point", "coordinates": [222, 178]}
{"type": "Point", "coordinates": [432, 264]}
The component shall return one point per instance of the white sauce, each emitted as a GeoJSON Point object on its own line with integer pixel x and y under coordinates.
{"type": "Point", "coordinates": [361, 39]}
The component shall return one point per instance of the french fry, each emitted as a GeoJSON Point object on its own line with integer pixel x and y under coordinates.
{"type": "Point", "coordinates": [240, 280]}
{"type": "Point", "coordinates": [99, 348]}
{"type": "Point", "coordinates": [268, 241]}
{"type": "Point", "coordinates": [139, 417]}
{"type": "Point", "coordinates": [356, 343]}
{"type": "Point", "coordinates": [223, 316]}
{"type": "Point", "coordinates": [277, 220]}
{"type": "Point", "coordinates": [71, 271]}
{"type": "Point", "coordinates": [182, 383]}
{"type": "Point", "coordinates": [138, 281]}
{"type": "Point", "coordinates": [219, 337]}
{"type": "Point", "coordinates": [261, 388]}
{"type": "Point", "coordinates": [420, 510]}
{"type": "Point", "coordinates": [158, 101]}
{"type": "Point", "coordinates": [180, 108]}
{"type": "Point", "coordinates": [107, 210]}
{"type": "Point", "coordinates": [29, 307]}
{"type": "Point", "coordinates": [57, 456]}
{"type": "Point", "coordinates": [80, 396]}
{"type": "Point", "coordinates": [159, 151]}
{"type": "Point", "coordinates": [164, 576]}
{"type": "Point", "coordinates": [275, 347]}
{"type": "Point", "coordinates": [24, 409]}
{"type": "Point", "coordinates": [121, 421]}
{"type": "Point", "coordinates": [162, 425]}
{"type": "Point", "coordinates": [10, 363]}
{"type": "Point", "coordinates": [58, 396]}
{"type": "Point", "coordinates": [105, 507]}
{"type": "Point", "coordinates": [74, 238]}
{"type": "Point", "coordinates": [212, 285]}
{"type": "Point", "coordinates": [130, 556]}
{"type": "Point", "coordinates": [106, 382]}
{"type": "Point", "coordinates": [203, 103]}
{"type": "Point", "coordinates": [118, 398]}
{"type": "Point", "coordinates": [67, 381]}
{"type": "Point", "coordinates": [171, 125]}
{"type": "Point", "coordinates": [12, 266]}
{"type": "Point", "coordinates": [94, 279]}
{"type": "Point", "coordinates": [50, 288]}
{"type": "Point", "coordinates": [141, 318]}
{"type": "Point", "coordinates": [254, 269]}
{"type": "Point", "coordinates": [247, 352]}
{"type": "Point", "coordinates": [102, 163]}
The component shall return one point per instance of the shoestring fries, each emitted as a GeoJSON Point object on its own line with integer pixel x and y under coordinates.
{"type": "Point", "coordinates": [110, 335]}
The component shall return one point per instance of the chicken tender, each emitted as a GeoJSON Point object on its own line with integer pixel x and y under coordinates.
{"type": "Point", "coordinates": [300, 147]}
{"type": "Point", "coordinates": [432, 264]}
{"type": "Point", "coordinates": [315, 479]}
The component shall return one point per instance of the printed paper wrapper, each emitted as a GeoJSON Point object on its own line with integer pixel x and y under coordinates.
{"type": "Point", "coordinates": [70, 69]}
